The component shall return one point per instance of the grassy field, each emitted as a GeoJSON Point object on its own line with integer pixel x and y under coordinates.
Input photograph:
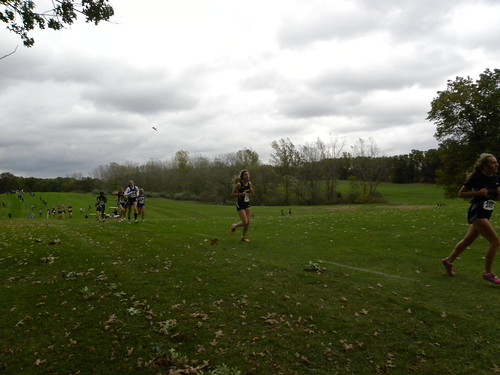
{"type": "Point", "coordinates": [326, 290]}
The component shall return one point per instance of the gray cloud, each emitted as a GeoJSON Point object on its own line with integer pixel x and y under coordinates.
{"type": "Point", "coordinates": [326, 24]}
{"type": "Point", "coordinates": [423, 68]}
{"type": "Point", "coordinates": [140, 97]}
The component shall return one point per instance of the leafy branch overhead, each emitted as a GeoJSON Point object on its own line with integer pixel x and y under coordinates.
{"type": "Point", "coordinates": [21, 16]}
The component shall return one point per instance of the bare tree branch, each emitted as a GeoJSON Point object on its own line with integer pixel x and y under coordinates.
{"type": "Point", "coordinates": [7, 55]}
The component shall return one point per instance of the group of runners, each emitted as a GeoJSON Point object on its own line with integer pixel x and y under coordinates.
{"type": "Point", "coordinates": [131, 199]}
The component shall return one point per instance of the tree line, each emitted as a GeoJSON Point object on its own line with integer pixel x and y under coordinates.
{"type": "Point", "coordinates": [296, 175]}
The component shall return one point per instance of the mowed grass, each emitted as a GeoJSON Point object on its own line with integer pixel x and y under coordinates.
{"type": "Point", "coordinates": [327, 290]}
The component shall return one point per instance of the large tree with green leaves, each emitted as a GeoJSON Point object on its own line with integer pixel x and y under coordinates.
{"type": "Point", "coordinates": [467, 118]}
{"type": "Point", "coordinates": [21, 16]}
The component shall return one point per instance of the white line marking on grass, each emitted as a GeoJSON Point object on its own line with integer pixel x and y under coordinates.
{"type": "Point", "coordinates": [366, 270]}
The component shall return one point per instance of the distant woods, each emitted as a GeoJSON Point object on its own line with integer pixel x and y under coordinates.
{"type": "Point", "coordinates": [296, 175]}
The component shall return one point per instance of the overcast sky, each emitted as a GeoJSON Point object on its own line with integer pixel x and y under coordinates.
{"type": "Point", "coordinates": [218, 76]}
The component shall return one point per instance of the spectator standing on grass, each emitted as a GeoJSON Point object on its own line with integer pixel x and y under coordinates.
{"type": "Point", "coordinates": [101, 207]}
{"type": "Point", "coordinates": [242, 191]}
{"type": "Point", "coordinates": [483, 188]}
{"type": "Point", "coordinates": [131, 193]}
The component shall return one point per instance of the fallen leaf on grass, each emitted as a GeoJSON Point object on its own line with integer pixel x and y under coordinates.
{"type": "Point", "coordinates": [71, 275]}
{"type": "Point", "coordinates": [200, 315]}
{"type": "Point", "coordinates": [329, 354]}
{"type": "Point", "coordinates": [133, 311]}
{"type": "Point", "coordinates": [219, 334]}
{"type": "Point", "coordinates": [166, 326]}
{"type": "Point", "coordinates": [346, 345]}
{"type": "Point", "coordinates": [49, 259]}
{"type": "Point", "coordinates": [189, 370]}
{"type": "Point", "coordinates": [261, 354]}
{"type": "Point", "coordinates": [175, 307]}
{"type": "Point", "coordinates": [271, 321]}
{"type": "Point", "coordinates": [22, 321]}
{"type": "Point", "coordinates": [219, 302]}
{"type": "Point", "coordinates": [111, 320]}
{"type": "Point", "coordinates": [303, 358]}
{"type": "Point", "coordinates": [101, 277]}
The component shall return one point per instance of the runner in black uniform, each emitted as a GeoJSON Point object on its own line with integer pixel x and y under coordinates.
{"type": "Point", "coordinates": [483, 187]}
{"type": "Point", "coordinates": [242, 191]}
{"type": "Point", "coordinates": [101, 206]}
{"type": "Point", "coordinates": [482, 206]}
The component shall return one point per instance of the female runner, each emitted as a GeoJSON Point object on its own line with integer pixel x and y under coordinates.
{"type": "Point", "coordinates": [242, 191]}
{"type": "Point", "coordinates": [483, 187]}
{"type": "Point", "coordinates": [141, 203]}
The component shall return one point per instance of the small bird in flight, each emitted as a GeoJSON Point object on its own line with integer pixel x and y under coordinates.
{"type": "Point", "coordinates": [154, 128]}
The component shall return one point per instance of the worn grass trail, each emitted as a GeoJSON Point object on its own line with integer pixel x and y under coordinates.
{"type": "Point", "coordinates": [327, 290]}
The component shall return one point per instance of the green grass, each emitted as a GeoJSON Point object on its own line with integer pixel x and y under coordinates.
{"type": "Point", "coordinates": [425, 194]}
{"type": "Point", "coordinates": [79, 296]}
